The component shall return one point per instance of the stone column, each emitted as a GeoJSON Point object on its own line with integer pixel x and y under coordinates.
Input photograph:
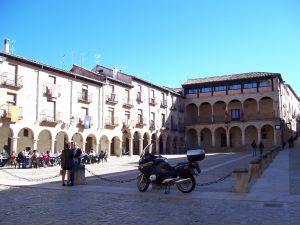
{"type": "Point", "coordinates": [14, 143]}
{"type": "Point", "coordinates": [108, 148]}
{"type": "Point", "coordinates": [213, 139]}
{"type": "Point", "coordinates": [35, 141]}
{"type": "Point", "coordinates": [275, 137]}
{"type": "Point", "coordinates": [130, 146]}
{"type": "Point", "coordinates": [227, 138]}
{"type": "Point", "coordinates": [140, 145]}
{"type": "Point", "coordinates": [199, 138]}
{"type": "Point", "coordinates": [157, 146]}
{"type": "Point", "coordinates": [243, 136]}
{"type": "Point", "coordinates": [52, 146]}
{"type": "Point", "coordinates": [164, 146]}
{"type": "Point", "coordinates": [259, 136]}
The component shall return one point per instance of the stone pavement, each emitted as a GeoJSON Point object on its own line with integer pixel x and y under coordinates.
{"type": "Point", "coordinates": [273, 199]}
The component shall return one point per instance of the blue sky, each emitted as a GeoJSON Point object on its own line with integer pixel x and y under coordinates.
{"type": "Point", "coordinates": [162, 41]}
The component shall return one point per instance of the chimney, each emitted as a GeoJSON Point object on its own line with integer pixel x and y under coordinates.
{"type": "Point", "coordinates": [6, 45]}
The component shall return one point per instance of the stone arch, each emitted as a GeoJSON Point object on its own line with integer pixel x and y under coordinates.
{"type": "Point", "coordinates": [220, 137]}
{"type": "Point", "coordinates": [205, 112]}
{"type": "Point", "coordinates": [115, 146]}
{"type": "Point", "coordinates": [191, 114]}
{"type": "Point", "coordinates": [153, 142]}
{"type": "Point", "coordinates": [235, 137]}
{"type": "Point", "coordinates": [181, 145]}
{"type": "Point", "coordinates": [136, 143]}
{"type": "Point", "coordinates": [44, 141]}
{"type": "Point", "coordinates": [60, 140]}
{"type": "Point", "coordinates": [125, 142]}
{"type": "Point", "coordinates": [6, 139]}
{"type": "Point", "coordinates": [146, 139]}
{"type": "Point", "coordinates": [267, 135]}
{"type": "Point", "coordinates": [251, 134]}
{"type": "Point", "coordinates": [250, 109]}
{"type": "Point", "coordinates": [192, 139]}
{"type": "Point", "coordinates": [104, 144]}
{"type": "Point", "coordinates": [91, 143]}
{"type": "Point", "coordinates": [266, 107]}
{"type": "Point", "coordinates": [25, 139]}
{"type": "Point", "coordinates": [219, 111]}
{"type": "Point", "coordinates": [206, 137]}
{"type": "Point", "coordinates": [78, 139]}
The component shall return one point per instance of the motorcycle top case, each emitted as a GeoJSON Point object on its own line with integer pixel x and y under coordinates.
{"type": "Point", "coordinates": [195, 155]}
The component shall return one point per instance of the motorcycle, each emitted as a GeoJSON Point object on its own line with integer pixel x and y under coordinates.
{"type": "Point", "coordinates": [156, 169]}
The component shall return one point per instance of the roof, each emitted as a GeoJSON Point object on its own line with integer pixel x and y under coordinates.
{"type": "Point", "coordinates": [232, 77]}
{"type": "Point", "coordinates": [50, 68]}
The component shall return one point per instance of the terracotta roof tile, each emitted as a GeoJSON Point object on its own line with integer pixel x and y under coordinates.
{"type": "Point", "coordinates": [230, 77]}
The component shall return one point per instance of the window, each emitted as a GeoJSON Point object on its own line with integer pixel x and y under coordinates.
{"type": "Point", "coordinates": [235, 114]}
{"type": "Point", "coordinates": [250, 85]}
{"type": "Point", "coordinates": [11, 98]}
{"type": "Point", "coordinates": [220, 88]}
{"type": "Point", "coordinates": [264, 84]}
{"type": "Point", "coordinates": [140, 116]}
{"type": "Point", "coordinates": [152, 121]}
{"type": "Point", "coordinates": [127, 94]}
{"type": "Point", "coordinates": [205, 89]}
{"type": "Point", "coordinates": [192, 91]}
{"type": "Point", "coordinates": [110, 89]}
{"type": "Point", "coordinates": [26, 132]}
{"type": "Point", "coordinates": [84, 111]}
{"type": "Point", "coordinates": [234, 87]}
{"type": "Point", "coordinates": [52, 80]}
{"type": "Point", "coordinates": [111, 115]}
{"type": "Point", "coordinates": [85, 92]}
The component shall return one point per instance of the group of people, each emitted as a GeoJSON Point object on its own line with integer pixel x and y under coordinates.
{"type": "Point", "coordinates": [70, 160]}
{"type": "Point", "coordinates": [254, 147]}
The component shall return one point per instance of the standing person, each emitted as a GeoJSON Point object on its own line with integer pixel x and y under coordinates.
{"type": "Point", "coordinates": [76, 161]}
{"type": "Point", "coordinates": [261, 148]}
{"type": "Point", "coordinates": [254, 146]}
{"type": "Point", "coordinates": [66, 163]}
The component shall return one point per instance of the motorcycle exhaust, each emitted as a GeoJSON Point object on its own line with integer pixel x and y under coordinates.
{"type": "Point", "coordinates": [183, 180]}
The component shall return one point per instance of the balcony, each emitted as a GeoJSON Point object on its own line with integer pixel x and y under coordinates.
{"type": "Point", "coordinates": [164, 104]}
{"type": "Point", "coordinates": [152, 101]}
{"type": "Point", "coordinates": [10, 80]}
{"type": "Point", "coordinates": [127, 103]}
{"type": "Point", "coordinates": [50, 117]}
{"type": "Point", "coordinates": [141, 122]}
{"type": "Point", "coordinates": [139, 98]}
{"type": "Point", "coordinates": [84, 97]}
{"type": "Point", "coordinates": [111, 122]}
{"type": "Point", "coordinates": [11, 112]}
{"type": "Point", "coordinates": [51, 91]}
{"type": "Point", "coordinates": [112, 99]}
{"type": "Point", "coordinates": [85, 121]}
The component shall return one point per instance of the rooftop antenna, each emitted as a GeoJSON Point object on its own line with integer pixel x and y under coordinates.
{"type": "Point", "coordinates": [81, 59]}
{"type": "Point", "coordinates": [97, 56]}
{"type": "Point", "coordinates": [72, 57]}
{"type": "Point", "coordinates": [63, 60]}
{"type": "Point", "coordinates": [12, 44]}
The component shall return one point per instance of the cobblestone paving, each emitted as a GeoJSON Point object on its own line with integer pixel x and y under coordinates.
{"type": "Point", "coordinates": [68, 206]}
{"type": "Point", "coordinates": [295, 171]}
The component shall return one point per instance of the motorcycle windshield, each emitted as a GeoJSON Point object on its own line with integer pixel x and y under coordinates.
{"type": "Point", "coordinates": [147, 149]}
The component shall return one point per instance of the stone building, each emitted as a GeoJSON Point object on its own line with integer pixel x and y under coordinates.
{"type": "Point", "coordinates": [233, 110]}
{"type": "Point", "coordinates": [41, 107]}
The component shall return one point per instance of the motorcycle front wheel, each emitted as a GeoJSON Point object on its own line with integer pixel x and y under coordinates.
{"type": "Point", "coordinates": [142, 183]}
{"type": "Point", "coordinates": [187, 186]}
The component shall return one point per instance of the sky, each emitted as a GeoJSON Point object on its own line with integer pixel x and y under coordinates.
{"type": "Point", "coordinates": [163, 41]}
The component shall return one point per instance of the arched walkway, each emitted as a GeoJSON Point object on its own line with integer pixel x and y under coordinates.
{"type": "Point", "coordinates": [153, 142]}
{"type": "Point", "coordinates": [205, 111]}
{"type": "Point", "coordinates": [91, 144]}
{"type": "Point", "coordinates": [6, 138]}
{"type": "Point", "coordinates": [125, 143]}
{"type": "Point", "coordinates": [104, 144]}
{"type": "Point", "coordinates": [136, 143]}
{"type": "Point", "coordinates": [267, 135]}
{"type": "Point", "coordinates": [78, 139]}
{"type": "Point", "coordinates": [220, 137]}
{"type": "Point", "coordinates": [25, 139]}
{"type": "Point", "coordinates": [44, 141]}
{"type": "Point", "coordinates": [168, 145]}
{"type": "Point", "coordinates": [191, 114]}
{"type": "Point", "coordinates": [219, 111]}
{"type": "Point", "coordinates": [235, 135]}
{"type": "Point", "coordinates": [146, 140]}
{"type": "Point", "coordinates": [251, 134]}
{"type": "Point", "coordinates": [115, 146]}
{"type": "Point", "coordinates": [192, 139]}
{"type": "Point", "coordinates": [60, 140]}
{"type": "Point", "coordinates": [206, 138]}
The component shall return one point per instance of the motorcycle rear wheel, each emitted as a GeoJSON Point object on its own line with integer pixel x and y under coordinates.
{"type": "Point", "coordinates": [142, 183]}
{"type": "Point", "coordinates": [188, 186]}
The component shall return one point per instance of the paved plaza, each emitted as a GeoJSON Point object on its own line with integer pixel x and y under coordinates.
{"type": "Point", "coordinates": [273, 199]}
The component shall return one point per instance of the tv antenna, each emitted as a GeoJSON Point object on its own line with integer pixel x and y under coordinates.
{"type": "Point", "coordinates": [97, 56]}
{"type": "Point", "coordinates": [12, 44]}
{"type": "Point", "coordinates": [81, 59]}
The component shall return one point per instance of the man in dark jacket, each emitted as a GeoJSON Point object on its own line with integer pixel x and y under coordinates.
{"type": "Point", "coordinates": [66, 163]}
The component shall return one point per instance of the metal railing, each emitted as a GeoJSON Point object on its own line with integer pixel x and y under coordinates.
{"type": "Point", "coordinates": [6, 111]}
{"type": "Point", "coordinates": [112, 98]}
{"type": "Point", "coordinates": [50, 116]}
{"type": "Point", "coordinates": [11, 80]}
{"type": "Point", "coordinates": [84, 97]}
{"type": "Point", "coordinates": [51, 90]}
{"type": "Point", "coordinates": [164, 104]}
{"type": "Point", "coordinates": [111, 121]}
{"type": "Point", "coordinates": [128, 102]}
